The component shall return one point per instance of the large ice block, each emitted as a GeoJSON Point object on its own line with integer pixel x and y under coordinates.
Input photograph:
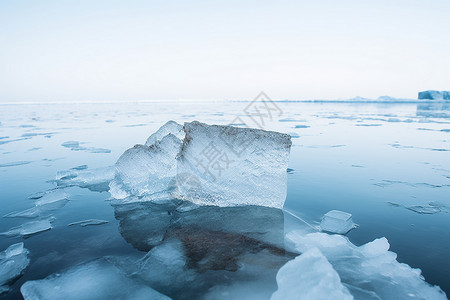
{"type": "Point", "coordinates": [310, 276]}
{"type": "Point", "coordinates": [233, 166]}
{"type": "Point", "coordinates": [12, 263]}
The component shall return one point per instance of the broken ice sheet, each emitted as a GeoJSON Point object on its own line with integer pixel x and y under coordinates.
{"type": "Point", "coordinates": [38, 211]}
{"type": "Point", "coordinates": [234, 166]}
{"type": "Point", "coordinates": [336, 221]}
{"type": "Point", "coordinates": [89, 222]}
{"type": "Point", "coordinates": [96, 180]}
{"type": "Point", "coordinates": [51, 196]}
{"type": "Point", "coordinates": [370, 271]}
{"type": "Point", "coordinates": [76, 146]}
{"type": "Point", "coordinates": [45, 202]}
{"type": "Point", "coordinates": [13, 262]}
{"type": "Point", "coordinates": [30, 228]}
{"type": "Point", "coordinates": [148, 169]}
{"type": "Point", "coordinates": [95, 280]}
{"type": "Point", "coordinates": [309, 276]}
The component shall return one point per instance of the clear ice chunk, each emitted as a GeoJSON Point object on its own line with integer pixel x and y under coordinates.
{"type": "Point", "coordinates": [13, 262]}
{"type": "Point", "coordinates": [96, 280]}
{"type": "Point", "coordinates": [233, 166]}
{"type": "Point", "coordinates": [310, 276]}
{"type": "Point", "coordinates": [29, 228]}
{"type": "Point", "coordinates": [147, 170]}
{"type": "Point", "coordinates": [370, 271]}
{"type": "Point", "coordinates": [336, 221]}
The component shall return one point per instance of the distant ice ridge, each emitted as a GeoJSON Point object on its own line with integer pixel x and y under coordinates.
{"type": "Point", "coordinates": [12, 263]}
{"type": "Point", "coordinates": [207, 165]}
{"type": "Point", "coordinates": [370, 271]}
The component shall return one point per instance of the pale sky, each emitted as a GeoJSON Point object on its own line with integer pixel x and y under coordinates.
{"type": "Point", "coordinates": [143, 50]}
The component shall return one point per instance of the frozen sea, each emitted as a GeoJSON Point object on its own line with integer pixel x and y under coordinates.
{"type": "Point", "coordinates": [388, 164]}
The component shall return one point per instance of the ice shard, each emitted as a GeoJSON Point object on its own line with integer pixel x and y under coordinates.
{"type": "Point", "coordinates": [12, 263]}
{"type": "Point", "coordinates": [233, 166]}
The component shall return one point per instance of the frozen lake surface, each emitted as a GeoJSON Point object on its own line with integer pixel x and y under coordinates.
{"type": "Point", "coordinates": [387, 164]}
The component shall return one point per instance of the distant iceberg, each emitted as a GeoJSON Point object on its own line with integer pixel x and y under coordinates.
{"type": "Point", "coordinates": [432, 94]}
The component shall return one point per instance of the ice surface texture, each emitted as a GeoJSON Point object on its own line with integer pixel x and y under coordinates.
{"type": "Point", "coordinates": [370, 271]}
{"type": "Point", "coordinates": [233, 166]}
{"type": "Point", "coordinates": [96, 280]}
{"type": "Point", "coordinates": [207, 165]}
{"type": "Point", "coordinates": [12, 263]}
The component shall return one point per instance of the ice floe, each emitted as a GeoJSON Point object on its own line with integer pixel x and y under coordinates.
{"type": "Point", "coordinates": [15, 163]}
{"type": "Point", "coordinates": [94, 179]}
{"type": "Point", "coordinates": [45, 202]}
{"type": "Point", "coordinates": [89, 222]}
{"type": "Point", "coordinates": [95, 280]}
{"type": "Point", "coordinates": [77, 146]}
{"type": "Point", "coordinates": [30, 228]}
{"type": "Point", "coordinates": [13, 262]}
